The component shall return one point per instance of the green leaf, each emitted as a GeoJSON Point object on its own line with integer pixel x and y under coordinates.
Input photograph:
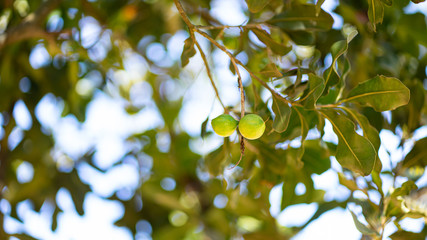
{"type": "Point", "coordinates": [294, 71]}
{"type": "Point", "coordinates": [381, 93]}
{"type": "Point", "coordinates": [216, 160]}
{"type": "Point", "coordinates": [375, 13]}
{"type": "Point", "coordinates": [270, 71]}
{"type": "Point", "coordinates": [405, 235]}
{"type": "Point", "coordinates": [316, 86]}
{"type": "Point", "coordinates": [417, 156]}
{"type": "Point", "coordinates": [316, 157]}
{"type": "Point", "coordinates": [405, 189]}
{"type": "Point", "coordinates": [319, 6]}
{"type": "Point", "coordinates": [369, 132]}
{"type": "Point", "coordinates": [323, 208]}
{"type": "Point", "coordinates": [304, 130]}
{"type": "Point", "coordinates": [410, 32]}
{"type": "Point", "coordinates": [389, 2]}
{"type": "Point", "coordinates": [351, 185]}
{"type": "Point", "coordinates": [302, 37]}
{"type": "Point", "coordinates": [303, 17]}
{"type": "Point", "coordinates": [203, 128]}
{"type": "Point", "coordinates": [354, 152]}
{"type": "Point", "coordinates": [188, 51]}
{"type": "Point", "coordinates": [409, 116]}
{"type": "Point", "coordinates": [283, 113]}
{"type": "Point", "coordinates": [331, 75]}
{"type": "Point", "coordinates": [277, 48]}
{"type": "Point", "coordinates": [361, 227]}
{"type": "Point", "coordinates": [256, 5]}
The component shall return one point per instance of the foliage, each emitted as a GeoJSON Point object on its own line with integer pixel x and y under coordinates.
{"type": "Point", "coordinates": [364, 77]}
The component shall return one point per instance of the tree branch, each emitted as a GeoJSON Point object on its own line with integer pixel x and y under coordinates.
{"type": "Point", "coordinates": [236, 61]}
{"type": "Point", "coordinates": [30, 26]}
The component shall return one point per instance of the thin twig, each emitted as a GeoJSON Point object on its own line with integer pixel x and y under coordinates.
{"type": "Point", "coordinates": [236, 68]}
{"type": "Point", "coordinates": [205, 61]}
{"type": "Point", "coordinates": [249, 25]}
{"type": "Point", "coordinates": [184, 15]}
{"type": "Point", "coordinates": [236, 61]}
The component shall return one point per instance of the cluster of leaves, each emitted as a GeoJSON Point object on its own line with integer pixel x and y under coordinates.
{"type": "Point", "coordinates": [313, 74]}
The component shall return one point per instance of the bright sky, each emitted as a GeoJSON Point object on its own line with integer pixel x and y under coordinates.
{"type": "Point", "coordinates": [107, 125]}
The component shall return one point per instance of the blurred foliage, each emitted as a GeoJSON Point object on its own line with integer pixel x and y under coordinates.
{"type": "Point", "coordinates": [375, 62]}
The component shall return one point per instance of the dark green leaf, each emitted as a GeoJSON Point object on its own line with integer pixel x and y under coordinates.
{"type": "Point", "coordinates": [405, 235]}
{"type": "Point", "coordinates": [382, 93]}
{"type": "Point", "coordinates": [354, 151]}
{"type": "Point", "coordinates": [407, 30]}
{"type": "Point", "coordinates": [409, 116]}
{"type": "Point", "coordinates": [203, 128]}
{"type": "Point", "coordinates": [316, 87]}
{"type": "Point", "coordinates": [417, 156]}
{"type": "Point", "coordinates": [316, 157]}
{"type": "Point", "coordinates": [302, 37]}
{"type": "Point", "coordinates": [369, 132]}
{"type": "Point", "coordinates": [283, 112]}
{"type": "Point", "coordinates": [302, 17]}
{"type": "Point", "coordinates": [278, 48]}
{"type": "Point", "coordinates": [331, 75]}
{"type": "Point", "coordinates": [294, 71]}
{"type": "Point", "coordinates": [188, 51]}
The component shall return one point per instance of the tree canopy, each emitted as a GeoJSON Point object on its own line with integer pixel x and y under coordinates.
{"type": "Point", "coordinates": [326, 84]}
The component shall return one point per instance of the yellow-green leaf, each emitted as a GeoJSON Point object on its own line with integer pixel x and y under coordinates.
{"type": "Point", "coordinates": [271, 71]}
{"type": "Point", "coordinates": [318, 6]}
{"type": "Point", "coordinates": [381, 93]}
{"type": "Point", "coordinates": [375, 13]}
{"type": "Point", "coordinates": [277, 48]}
{"type": "Point", "coordinates": [256, 5]}
{"type": "Point", "coordinates": [283, 113]}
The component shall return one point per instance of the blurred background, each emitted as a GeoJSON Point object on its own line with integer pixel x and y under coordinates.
{"type": "Point", "coordinates": [105, 136]}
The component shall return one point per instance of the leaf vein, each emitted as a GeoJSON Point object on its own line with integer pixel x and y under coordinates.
{"type": "Point", "coordinates": [345, 141]}
{"type": "Point", "coordinates": [371, 93]}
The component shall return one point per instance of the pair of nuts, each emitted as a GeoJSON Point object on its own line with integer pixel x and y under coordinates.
{"type": "Point", "coordinates": [251, 126]}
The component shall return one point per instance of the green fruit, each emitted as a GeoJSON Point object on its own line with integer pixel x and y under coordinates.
{"type": "Point", "coordinates": [251, 126]}
{"type": "Point", "coordinates": [224, 125]}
